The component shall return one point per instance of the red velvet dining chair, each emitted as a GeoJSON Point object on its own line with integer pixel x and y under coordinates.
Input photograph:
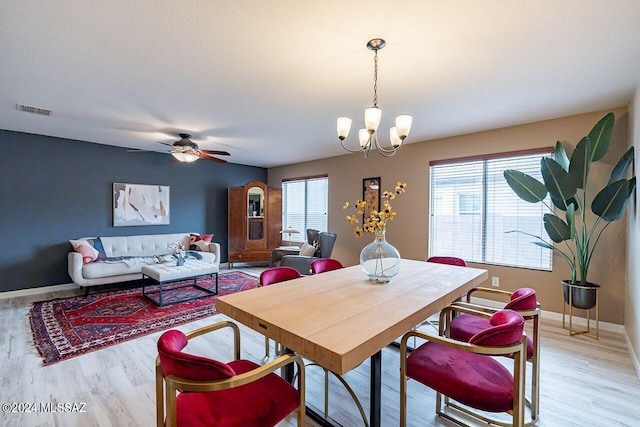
{"type": "Point", "coordinates": [269, 277]}
{"type": "Point", "coordinates": [213, 393]}
{"type": "Point", "coordinates": [466, 373]}
{"type": "Point", "coordinates": [524, 301]}
{"type": "Point", "coordinates": [325, 264]}
{"type": "Point", "coordinates": [447, 260]}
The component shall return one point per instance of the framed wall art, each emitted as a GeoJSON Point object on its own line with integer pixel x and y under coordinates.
{"type": "Point", "coordinates": [140, 204]}
{"type": "Point", "coordinates": [371, 195]}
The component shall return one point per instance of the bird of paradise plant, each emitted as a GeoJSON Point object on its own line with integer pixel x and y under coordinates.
{"type": "Point", "coordinates": [565, 180]}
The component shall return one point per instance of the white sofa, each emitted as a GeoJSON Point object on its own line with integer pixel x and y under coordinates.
{"type": "Point", "coordinates": [131, 253]}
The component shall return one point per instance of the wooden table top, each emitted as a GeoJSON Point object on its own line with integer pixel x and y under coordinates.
{"type": "Point", "coordinates": [338, 319]}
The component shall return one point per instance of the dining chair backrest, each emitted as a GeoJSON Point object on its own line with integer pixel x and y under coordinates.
{"type": "Point", "coordinates": [325, 264]}
{"type": "Point", "coordinates": [278, 274]}
{"type": "Point", "coordinates": [523, 299]}
{"type": "Point", "coordinates": [447, 260]}
{"type": "Point", "coordinates": [506, 329]}
{"type": "Point", "coordinates": [188, 366]}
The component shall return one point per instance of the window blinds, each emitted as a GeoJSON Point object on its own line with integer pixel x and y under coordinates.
{"type": "Point", "coordinates": [304, 205]}
{"type": "Point", "coordinates": [473, 210]}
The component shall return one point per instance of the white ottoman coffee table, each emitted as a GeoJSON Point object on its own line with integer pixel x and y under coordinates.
{"type": "Point", "coordinates": [160, 275]}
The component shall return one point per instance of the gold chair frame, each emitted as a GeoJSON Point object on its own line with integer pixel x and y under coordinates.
{"type": "Point", "coordinates": [534, 401]}
{"type": "Point", "coordinates": [518, 351]}
{"type": "Point", "coordinates": [166, 401]}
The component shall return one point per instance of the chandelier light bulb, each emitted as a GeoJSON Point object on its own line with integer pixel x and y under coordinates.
{"type": "Point", "coordinates": [363, 137]}
{"type": "Point", "coordinates": [343, 127]}
{"type": "Point", "coordinates": [394, 138]}
{"type": "Point", "coordinates": [403, 123]}
{"type": "Point", "coordinates": [372, 117]}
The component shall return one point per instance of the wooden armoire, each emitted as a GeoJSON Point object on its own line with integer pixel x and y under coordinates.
{"type": "Point", "coordinates": [255, 222]}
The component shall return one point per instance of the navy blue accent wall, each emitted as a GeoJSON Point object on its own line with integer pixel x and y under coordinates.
{"type": "Point", "coordinates": [53, 190]}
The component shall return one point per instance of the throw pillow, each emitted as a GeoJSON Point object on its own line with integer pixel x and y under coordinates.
{"type": "Point", "coordinates": [97, 244]}
{"type": "Point", "coordinates": [199, 245]}
{"type": "Point", "coordinates": [84, 248]}
{"type": "Point", "coordinates": [76, 243]}
{"type": "Point", "coordinates": [307, 250]}
{"type": "Point", "coordinates": [197, 237]}
{"type": "Point", "coordinates": [89, 254]}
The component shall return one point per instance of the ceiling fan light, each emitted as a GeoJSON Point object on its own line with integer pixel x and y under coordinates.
{"type": "Point", "coordinates": [372, 118]}
{"type": "Point", "coordinates": [185, 157]}
{"type": "Point", "coordinates": [403, 123]}
{"type": "Point", "coordinates": [343, 125]}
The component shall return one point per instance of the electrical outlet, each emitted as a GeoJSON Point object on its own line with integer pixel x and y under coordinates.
{"type": "Point", "coordinates": [495, 282]}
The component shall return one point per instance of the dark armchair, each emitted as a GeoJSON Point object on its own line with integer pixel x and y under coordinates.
{"type": "Point", "coordinates": [324, 242]}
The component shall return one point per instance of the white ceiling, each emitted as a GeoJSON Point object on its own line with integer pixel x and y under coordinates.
{"type": "Point", "coordinates": [265, 80]}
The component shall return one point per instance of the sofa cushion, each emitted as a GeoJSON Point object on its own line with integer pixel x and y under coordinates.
{"type": "Point", "coordinates": [145, 245]}
{"type": "Point", "coordinates": [103, 268]}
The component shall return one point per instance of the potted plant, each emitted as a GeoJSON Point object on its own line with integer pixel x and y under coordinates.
{"type": "Point", "coordinates": [576, 233]}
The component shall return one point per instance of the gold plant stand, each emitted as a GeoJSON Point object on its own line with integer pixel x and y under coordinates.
{"type": "Point", "coordinates": [586, 332]}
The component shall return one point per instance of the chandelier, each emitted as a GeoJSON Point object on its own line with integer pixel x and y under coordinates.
{"type": "Point", "coordinates": [368, 137]}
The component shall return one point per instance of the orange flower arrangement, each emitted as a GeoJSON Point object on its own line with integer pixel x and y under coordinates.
{"type": "Point", "coordinates": [376, 222]}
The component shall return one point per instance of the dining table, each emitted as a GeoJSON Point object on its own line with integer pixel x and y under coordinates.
{"type": "Point", "coordinates": [338, 319]}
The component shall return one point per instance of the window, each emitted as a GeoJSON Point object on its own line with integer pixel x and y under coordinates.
{"type": "Point", "coordinates": [304, 205]}
{"type": "Point", "coordinates": [473, 209]}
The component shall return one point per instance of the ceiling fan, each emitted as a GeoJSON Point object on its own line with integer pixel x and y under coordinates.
{"type": "Point", "coordinates": [187, 151]}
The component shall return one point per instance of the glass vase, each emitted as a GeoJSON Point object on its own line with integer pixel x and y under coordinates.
{"type": "Point", "coordinates": [179, 262]}
{"type": "Point", "coordinates": [380, 260]}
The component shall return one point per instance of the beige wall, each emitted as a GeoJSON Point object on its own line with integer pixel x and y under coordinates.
{"type": "Point", "coordinates": [632, 294]}
{"type": "Point", "coordinates": [409, 231]}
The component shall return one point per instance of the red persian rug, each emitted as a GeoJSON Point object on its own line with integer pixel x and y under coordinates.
{"type": "Point", "coordinates": [67, 327]}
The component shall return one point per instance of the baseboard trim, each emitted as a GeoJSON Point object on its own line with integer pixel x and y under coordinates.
{"type": "Point", "coordinates": [37, 291]}
{"type": "Point", "coordinates": [633, 354]}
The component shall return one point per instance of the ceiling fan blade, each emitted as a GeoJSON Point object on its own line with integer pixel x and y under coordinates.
{"type": "Point", "coordinates": [219, 153]}
{"type": "Point", "coordinates": [164, 143]}
{"type": "Point", "coordinates": [213, 159]}
{"type": "Point", "coordinates": [137, 150]}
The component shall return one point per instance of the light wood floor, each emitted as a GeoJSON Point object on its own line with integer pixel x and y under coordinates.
{"type": "Point", "coordinates": [584, 382]}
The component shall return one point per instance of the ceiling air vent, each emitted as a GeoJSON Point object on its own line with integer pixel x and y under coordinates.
{"type": "Point", "coordinates": [33, 110]}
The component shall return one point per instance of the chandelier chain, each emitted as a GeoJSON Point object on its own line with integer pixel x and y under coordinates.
{"type": "Point", "coordinates": [375, 79]}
